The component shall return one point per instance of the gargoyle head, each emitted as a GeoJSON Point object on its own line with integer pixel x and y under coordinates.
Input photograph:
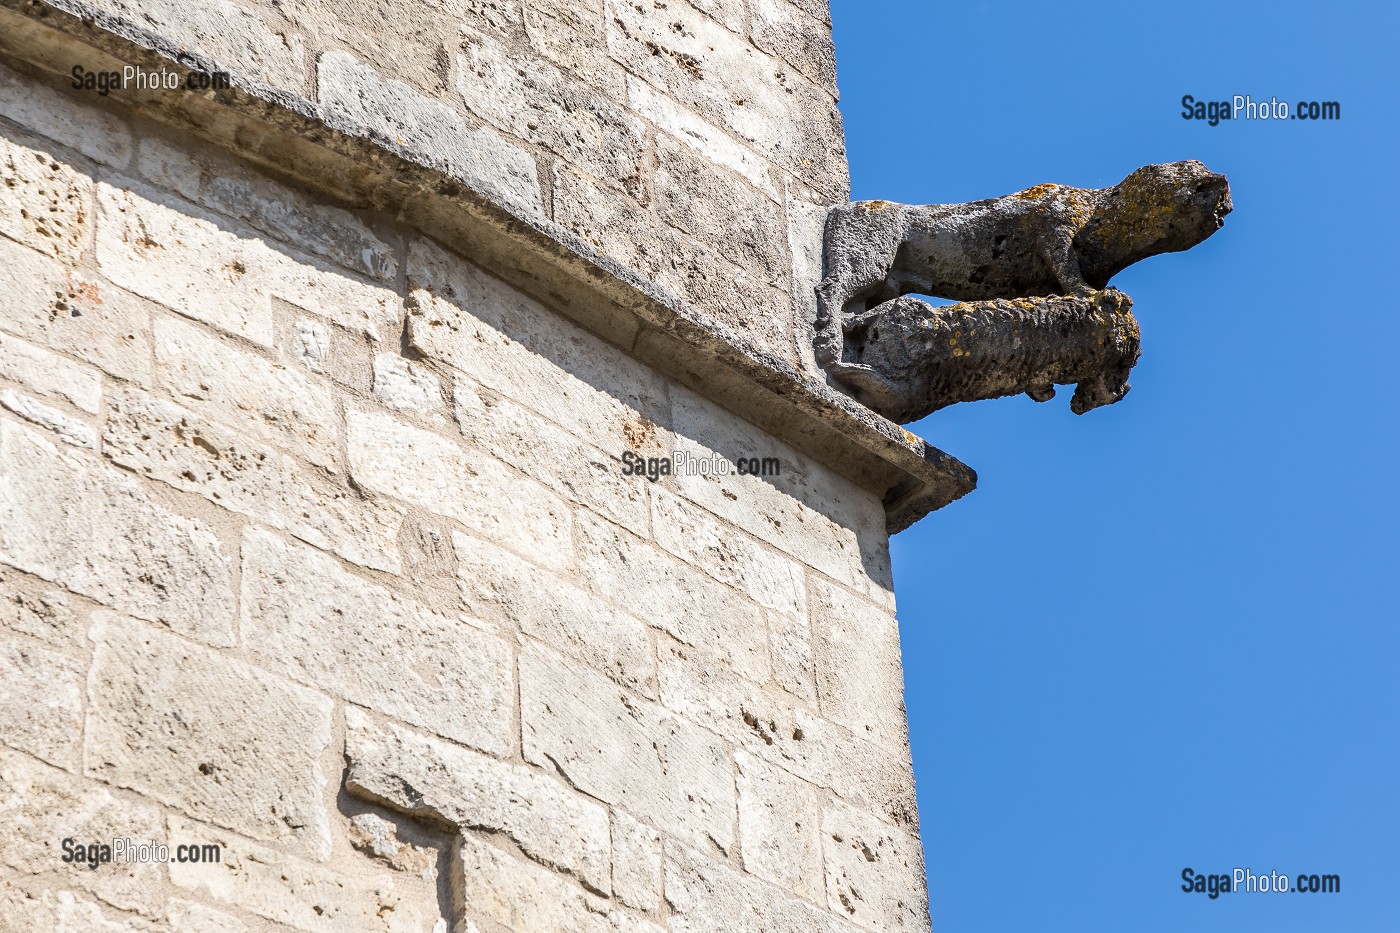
{"type": "Point", "coordinates": [1157, 209]}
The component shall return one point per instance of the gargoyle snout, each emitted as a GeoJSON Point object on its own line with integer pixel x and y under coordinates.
{"type": "Point", "coordinates": [1213, 194]}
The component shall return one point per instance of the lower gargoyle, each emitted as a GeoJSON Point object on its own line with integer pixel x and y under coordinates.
{"type": "Point", "coordinates": [912, 358]}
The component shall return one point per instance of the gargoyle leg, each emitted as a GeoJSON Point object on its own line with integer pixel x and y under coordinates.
{"type": "Point", "coordinates": [833, 294]}
{"type": "Point", "coordinates": [1058, 251]}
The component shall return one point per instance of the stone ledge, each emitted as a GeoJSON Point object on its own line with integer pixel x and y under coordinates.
{"type": "Point", "coordinates": [296, 139]}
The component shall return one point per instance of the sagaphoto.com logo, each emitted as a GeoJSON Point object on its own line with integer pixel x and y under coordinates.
{"type": "Point", "coordinates": [686, 463]}
{"type": "Point", "coordinates": [1244, 107]}
{"type": "Point", "coordinates": [136, 78]}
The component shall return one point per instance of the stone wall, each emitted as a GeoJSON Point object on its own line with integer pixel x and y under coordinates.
{"type": "Point", "coordinates": [315, 545]}
{"type": "Point", "coordinates": [694, 144]}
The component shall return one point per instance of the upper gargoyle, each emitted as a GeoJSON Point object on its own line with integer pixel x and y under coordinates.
{"type": "Point", "coordinates": [1046, 240]}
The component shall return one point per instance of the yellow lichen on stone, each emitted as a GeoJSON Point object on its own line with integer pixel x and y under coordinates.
{"type": "Point", "coordinates": [1036, 191]}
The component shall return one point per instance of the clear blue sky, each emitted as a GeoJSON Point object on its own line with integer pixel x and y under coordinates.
{"type": "Point", "coordinates": [1163, 634]}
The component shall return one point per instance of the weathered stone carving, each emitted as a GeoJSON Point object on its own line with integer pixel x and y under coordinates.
{"type": "Point", "coordinates": [922, 358]}
{"type": "Point", "coordinates": [1051, 246]}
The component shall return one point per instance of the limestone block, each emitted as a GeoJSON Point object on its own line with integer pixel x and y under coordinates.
{"type": "Point", "coordinates": [770, 579]}
{"type": "Point", "coordinates": [403, 385]}
{"type": "Point", "coordinates": [404, 40]}
{"type": "Point", "coordinates": [705, 895]}
{"type": "Point", "coordinates": [774, 728]}
{"type": "Point", "coordinates": [692, 59]}
{"type": "Point", "coordinates": [674, 597]}
{"type": "Point", "coordinates": [46, 613]}
{"type": "Point", "coordinates": [296, 219]}
{"type": "Point", "coordinates": [512, 344]}
{"type": "Point", "coordinates": [65, 427]}
{"type": "Point", "coordinates": [41, 702]}
{"type": "Point", "coordinates": [779, 826]}
{"type": "Point", "coordinates": [40, 108]}
{"type": "Point", "coordinates": [50, 374]}
{"type": "Point", "coordinates": [790, 642]}
{"type": "Point", "coordinates": [500, 588]}
{"type": "Point", "coordinates": [265, 400]}
{"type": "Point", "coordinates": [167, 166]}
{"type": "Point", "coordinates": [804, 511]}
{"type": "Point", "coordinates": [483, 494]}
{"type": "Point", "coordinates": [289, 891]}
{"type": "Point", "coordinates": [626, 751]}
{"type": "Point", "coordinates": [45, 203]}
{"type": "Point", "coordinates": [534, 101]}
{"type": "Point", "coordinates": [317, 623]}
{"type": "Point", "coordinates": [311, 344]}
{"type": "Point", "coordinates": [40, 807]}
{"type": "Point", "coordinates": [703, 136]}
{"type": "Point", "coordinates": [551, 823]}
{"type": "Point", "coordinates": [796, 37]}
{"type": "Point", "coordinates": [210, 735]}
{"type": "Point", "coordinates": [360, 101]}
{"type": "Point", "coordinates": [806, 234]}
{"type": "Point", "coordinates": [81, 316]}
{"type": "Point", "coordinates": [62, 912]}
{"type": "Point", "coordinates": [97, 532]}
{"type": "Point", "coordinates": [236, 36]}
{"type": "Point", "coordinates": [695, 197]}
{"type": "Point", "coordinates": [378, 838]}
{"type": "Point", "coordinates": [692, 269]}
{"type": "Point", "coordinates": [221, 272]}
{"type": "Point", "coordinates": [502, 17]}
{"type": "Point", "coordinates": [550, 454]}
{"type": "Point", "coordinates": [859, 674]}
{"type": "Point", "coordinates": [524, 897]}
{"type": "Point", "coordinates": [189, 917]}
{"type": "Point", "coordinates": [166, 442]}
{"type": "Point", "coordinates": [569, 33]}
{"type": "Point", "coordinates": [728, 13]}
{"type": "Point", "coordinates": [636, 869]}
{"type": "Point", "coordinates": [874, 872]}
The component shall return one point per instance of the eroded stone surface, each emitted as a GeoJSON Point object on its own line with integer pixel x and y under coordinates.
{"type": "Point", "coordinates": [874, 872]}
{"type": "Point", "coordinates": [72, 521]}
{"type": "Point", "coordinates": [63, 912]}
{"type": "Point", "coordinates": [626, 751]}
{"type": "Point", "coordinates": [171, 444]}
{"type": "Point", "coordinates": [359, 99]}
{"type": "Point", "coordinates": [637, 857]}
{"type": "Point", "coordinates": [465, 789]}
{"type": "Point", "coordinates": [778, 826]}
{"type": "Point", "coordinates": [65, 427]}
{"type": "Point", "coordinates": [264, 399]}
{"type": "Point", "coordinates": [289, 891]}
{"type": "Point", "coordinates": [705, 895]}
{"type": "Point", "coordinates": [70, 312]}
{"type": "Point", "coordinates": [319, 624]}
{"type": "Point", "coordinates": [500, 588]}
{"type": "Point", "coordinates": [521, 896]}
{"type": "Point", "coordinates": [429, 470]}
{"type": "Point", "coordinates": [44, 202]}
{"type": "Point", "coordinates": [41, 806]}
{"type": "Point", "coordinates": [208, 734]}
{"type": "Point", "coordinates": [41, 702]}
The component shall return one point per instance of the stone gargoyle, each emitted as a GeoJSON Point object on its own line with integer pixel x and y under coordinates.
{"type": "Point", "coordinates": [1030, 269]}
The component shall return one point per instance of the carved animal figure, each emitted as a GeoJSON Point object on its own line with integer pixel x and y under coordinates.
{"type": "Point", "coordinates": [1046, 240]}
{"type": "Point", "coordinates": [925, 358]}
